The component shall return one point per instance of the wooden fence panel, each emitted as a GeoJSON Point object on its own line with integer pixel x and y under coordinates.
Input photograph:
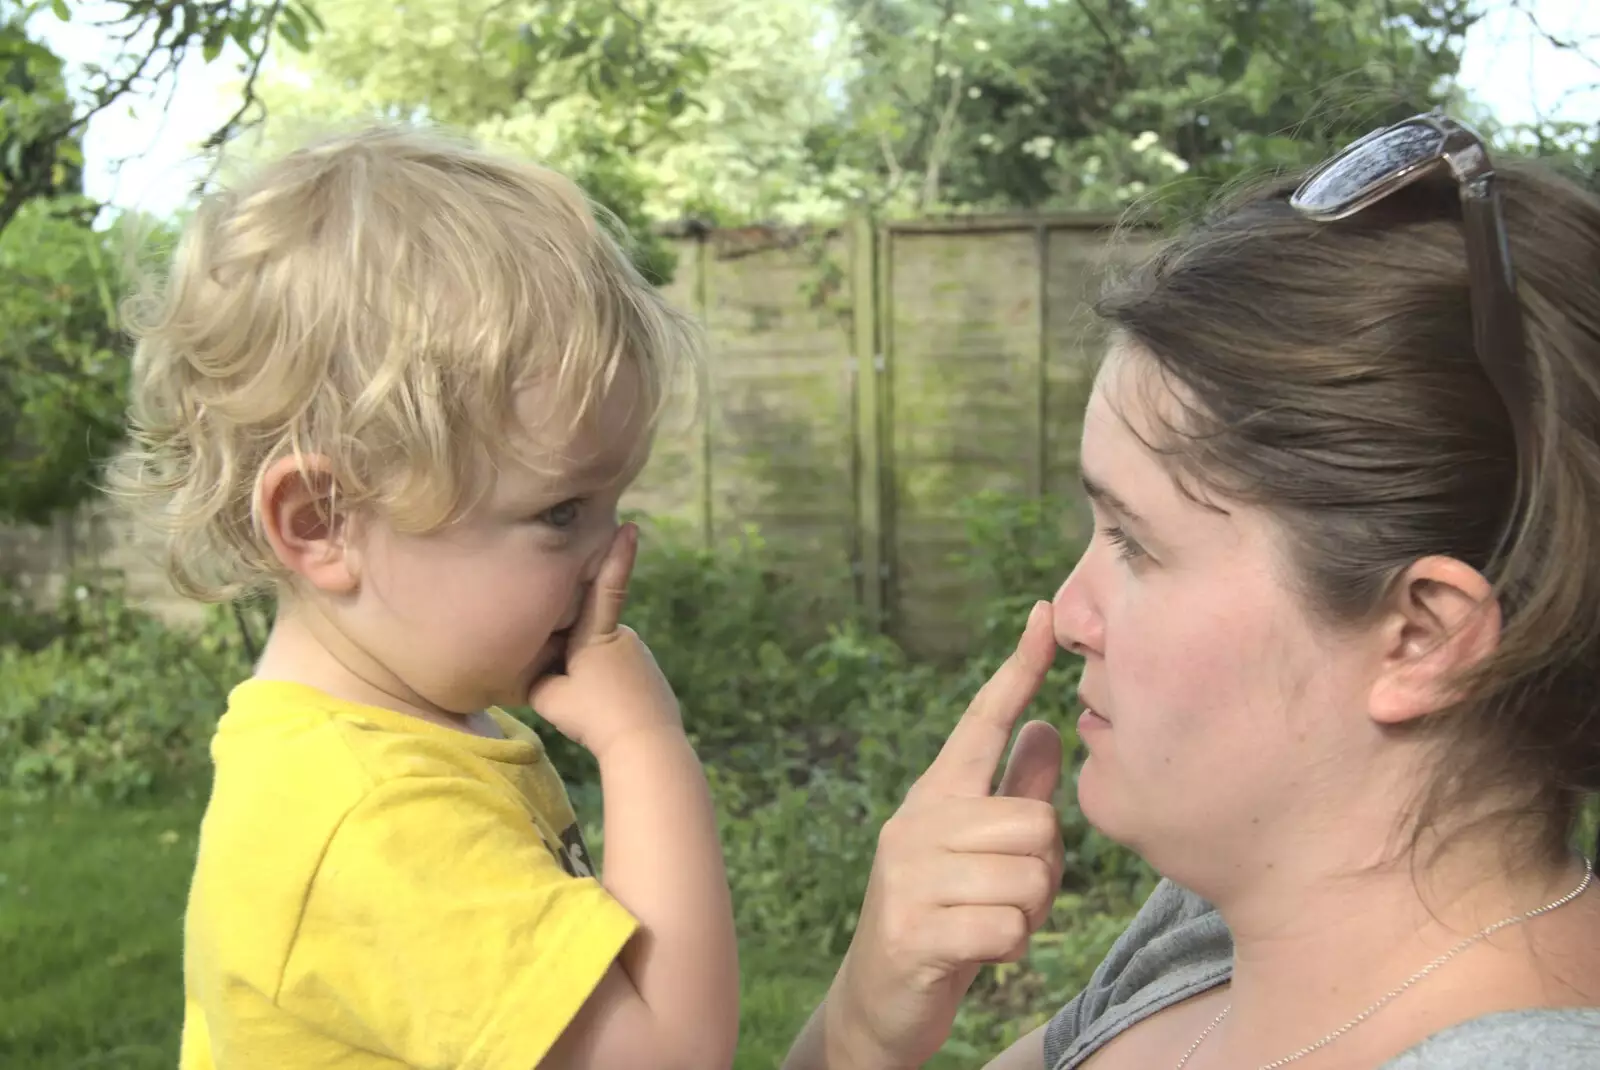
{"type": "Point", "coordinates": [962, 313]}
{"type": "Point", "coordinates": [1080, 261]}
{"type": "Point", "coordinates": [672, 487]}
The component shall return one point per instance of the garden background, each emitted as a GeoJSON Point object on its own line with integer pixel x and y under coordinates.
{"type": "Point", "coordinates": [891, 215]}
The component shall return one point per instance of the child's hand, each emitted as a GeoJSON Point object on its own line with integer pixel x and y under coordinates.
{"type": "Point", "coordinates": [612, 687]}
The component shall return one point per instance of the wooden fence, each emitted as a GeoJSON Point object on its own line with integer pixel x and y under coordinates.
{"type": "Point", "coordinates": [864, 380]}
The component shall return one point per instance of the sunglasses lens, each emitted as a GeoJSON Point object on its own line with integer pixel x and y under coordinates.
{"type": "Point", "coordinates": [1368, 163]}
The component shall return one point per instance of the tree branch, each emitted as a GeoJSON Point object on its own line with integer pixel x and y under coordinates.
{"type": "Point", "coordinates": [1113, 52]}
{"type": "Point", "coordinates": [896, 176]}
{"type": "Point", "coordinates": [107, 96]}
{"type": "Point", "coordinates": [617, 6]}
{"type": "Point", "coordinates": [227, 130]}
{"type": "Point", "coordinates": [940, 146]}
{"type": "Point", "coordinates": [113, 91]}
{"type": "Point", "coordinates": [930, 107]}
{"type": "Point", "coordinates": [1565, 44]}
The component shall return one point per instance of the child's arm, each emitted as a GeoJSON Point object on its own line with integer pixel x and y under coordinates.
{"type": "Point", "coordinates": [672, 998]}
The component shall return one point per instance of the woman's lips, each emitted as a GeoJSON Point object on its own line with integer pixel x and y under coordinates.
{"type": "Point", "coordinates": [1090, 721]}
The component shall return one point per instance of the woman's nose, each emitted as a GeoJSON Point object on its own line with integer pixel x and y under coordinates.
{"type": "Point", "coordinates": [1076, 620]}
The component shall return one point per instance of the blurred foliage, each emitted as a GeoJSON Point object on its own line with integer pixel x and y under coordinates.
{"type": "Point", "coordinates": [899, 106]}
{"type": "Point", "coordinates": [792, 110]}
{"type": "Point", "coordinates": [63, 363]}
{"type": "Point", "coordinates": [42, 124]}
{"type": "Point", "coordinates": [1097, 105]}
{"type": "Point", "coordinates": [63, 366]}
{"type": "Point", "coordinates": [103, 700]}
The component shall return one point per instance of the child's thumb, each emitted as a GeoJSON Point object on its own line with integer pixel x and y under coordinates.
{"type": "Point", "coordinates": [548, 697]}
{"type": "Point", "coordinates": [602, 610]}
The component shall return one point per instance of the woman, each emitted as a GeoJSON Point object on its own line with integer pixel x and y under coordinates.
{"type": "Point", "coordinates": [1341, 631]}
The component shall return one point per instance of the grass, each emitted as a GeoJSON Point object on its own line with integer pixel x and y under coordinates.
{"type": "Point", "coordinates": [91, 929]}
{"type": "Point", "coordinates": [91, 917]}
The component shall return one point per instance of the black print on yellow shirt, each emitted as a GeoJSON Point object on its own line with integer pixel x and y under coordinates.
{"type": "Point", "coordinates": [573, 854]}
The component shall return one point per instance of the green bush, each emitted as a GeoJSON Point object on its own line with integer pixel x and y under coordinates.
{"type": "Point", "coordinates": [1018, 549]}
{"type": "Point", "coordinates": [754, 686]}
{"type": "Point", "coordinates": [23, 624]}
{"type": "Point", "coordinates": [63, 362]}
{"type": "Point", "coordinates": [107, 701]}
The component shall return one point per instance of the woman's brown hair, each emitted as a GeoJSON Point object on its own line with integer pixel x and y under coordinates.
{"type": "Point", "coordinates": [1330, 376]}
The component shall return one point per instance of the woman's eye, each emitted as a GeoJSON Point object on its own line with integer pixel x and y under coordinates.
{"type": "Point", "coordinates": [560, 516]}
{"type": "Point", "coordinates": [1127, 546]}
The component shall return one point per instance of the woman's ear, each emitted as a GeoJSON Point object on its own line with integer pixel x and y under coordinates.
{"type": "Point", "coordinates": [307, 531]}
{"type": "Point", "coordinates": [1442, 619]}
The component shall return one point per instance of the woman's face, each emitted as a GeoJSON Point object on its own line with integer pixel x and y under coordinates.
{"type": "Point", "coordinates": [1229, 725]}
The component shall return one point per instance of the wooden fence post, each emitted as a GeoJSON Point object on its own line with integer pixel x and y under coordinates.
{"type": "Point", "coordinates": [1040, 476]}
{"type": "Point", "coordinates": [702, 254]}
{"type": "Point", "coordinates": [867, 367]}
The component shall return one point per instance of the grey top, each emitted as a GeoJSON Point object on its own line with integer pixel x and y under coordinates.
{"type": "Point", "coordinates": [1178, 946]}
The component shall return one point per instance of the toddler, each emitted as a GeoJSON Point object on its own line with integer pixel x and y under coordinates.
{"type": "Point", "coordinates": [402, 382]}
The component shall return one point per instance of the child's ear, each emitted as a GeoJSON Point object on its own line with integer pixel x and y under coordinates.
{"type": "Point", "coordinates": [307, 530]}
{"type": "Point", "coordinates": [1443, 619]}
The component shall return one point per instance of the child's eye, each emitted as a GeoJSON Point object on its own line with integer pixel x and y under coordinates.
{"type": "Point", "coordinates": [561, 516]}
{"type": "Point", "coordinates": [1127, 546]}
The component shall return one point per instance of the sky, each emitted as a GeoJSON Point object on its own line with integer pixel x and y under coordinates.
{"type": "Point", "coordinates": [1506, 64]}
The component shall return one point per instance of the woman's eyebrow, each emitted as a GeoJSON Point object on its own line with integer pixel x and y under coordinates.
{"type": "Point", "coordinates": [1104, 497]}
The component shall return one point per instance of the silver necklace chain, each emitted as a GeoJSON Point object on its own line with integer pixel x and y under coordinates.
{"type": "Point", "coordinates": [1588, 875]}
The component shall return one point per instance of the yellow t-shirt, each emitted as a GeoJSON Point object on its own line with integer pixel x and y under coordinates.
{"type": "Point", "coordinates": [374, 891]}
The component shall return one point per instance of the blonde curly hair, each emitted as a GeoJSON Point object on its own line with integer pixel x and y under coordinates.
{"type": "Point", "coordinates": [377, 299]}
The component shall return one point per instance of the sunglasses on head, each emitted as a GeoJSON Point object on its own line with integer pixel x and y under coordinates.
{"type": "Point", "coordinates": [1391, 159]}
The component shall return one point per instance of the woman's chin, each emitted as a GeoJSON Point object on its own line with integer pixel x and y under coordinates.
{"type": "Point", "coordinates": [1097, 798]}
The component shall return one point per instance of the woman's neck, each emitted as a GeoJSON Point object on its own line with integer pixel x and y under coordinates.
{"type": "Point", "coordinates": [1314, 948]}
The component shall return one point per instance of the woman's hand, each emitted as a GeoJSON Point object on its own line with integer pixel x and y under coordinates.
{"type": "Point", "coordinates": [962, 877]}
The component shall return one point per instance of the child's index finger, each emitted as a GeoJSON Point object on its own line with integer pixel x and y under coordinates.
{"type": "Point", "coordinates": [967, 762]}
{"type": "Point", "coordinates": [602, 610]}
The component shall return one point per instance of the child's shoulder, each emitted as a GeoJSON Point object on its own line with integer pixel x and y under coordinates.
{"type": "Point", "coordinates": [292, 763]}
{"type": "Point", "coordinates": [271, 723]}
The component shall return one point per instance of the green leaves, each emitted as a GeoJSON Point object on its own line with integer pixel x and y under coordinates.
{"type": "Point", "coordinates": [63, 366]}
{"type": "Point", "coordinates": [296, 25]}
{"type": "Point", "coordinates": [698, 107]}
{"type": "Point", "coordinates": [1235, 58]}
{"type": "Point", "coordinates": [1041, 103]}
{"type": "Point", "coordinates": [632, 63]}
{"type": "Point", "coordinates": [40, 124]}
{"type": "Point", "coordinates": [104, 701]}
{"type": "Point", "coordinates": [216, 35]}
